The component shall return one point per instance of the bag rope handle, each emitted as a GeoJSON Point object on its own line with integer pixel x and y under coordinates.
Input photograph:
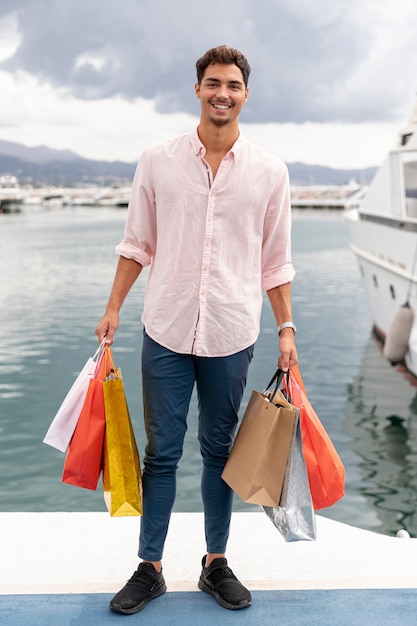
{"type": "Point", "coordinates": [278, 376]}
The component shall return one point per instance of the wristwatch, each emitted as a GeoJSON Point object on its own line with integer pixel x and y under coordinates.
{"type": "Point", "coordinates": [287, 325]}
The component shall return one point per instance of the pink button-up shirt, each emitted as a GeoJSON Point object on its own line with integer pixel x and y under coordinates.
{"type": "Point", "coordinates": [212, 245]}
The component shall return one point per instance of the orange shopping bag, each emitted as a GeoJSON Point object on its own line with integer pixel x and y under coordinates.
{"type": "Point", "coordinates": [82, 465]}
{"type": "Point", "coordinates": [326, 473]}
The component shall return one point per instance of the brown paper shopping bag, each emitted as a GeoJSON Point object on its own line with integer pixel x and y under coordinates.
{"type": "Point", "coordinates": [256, 465]}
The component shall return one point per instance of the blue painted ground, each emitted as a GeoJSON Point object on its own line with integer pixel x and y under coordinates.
{"type": "Point", "coordinates": [363, 607]}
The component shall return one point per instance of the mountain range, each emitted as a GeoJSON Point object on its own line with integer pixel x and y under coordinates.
{"type": "Point", "coordinates": [42, 165]}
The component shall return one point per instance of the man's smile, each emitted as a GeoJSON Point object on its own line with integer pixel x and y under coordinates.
{"type": "Point", "coordinates": [222, 107]}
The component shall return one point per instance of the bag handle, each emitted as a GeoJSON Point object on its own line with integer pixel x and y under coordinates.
{"type": "Point", "coordinates": [99, 355]}
{"type": "Point", "coordinates": [278, 376]}
{"type": "Point", "coordinates": [100, 349]}
{"type": "Point", "coordinates": [111, 368]}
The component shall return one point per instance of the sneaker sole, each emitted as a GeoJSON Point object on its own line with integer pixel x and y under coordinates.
{"type": "Point", "coordinates": [116, 608]}
{"type": "Point", "coordinates": [203, 586]}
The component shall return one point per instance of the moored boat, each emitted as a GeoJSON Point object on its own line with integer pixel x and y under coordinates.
{"type": "Point", "coordinates": [384, 239]}
{"type": "Point", "coordinates": [327, 196]}
{"type": "Point", "coordinates": [11, 196]}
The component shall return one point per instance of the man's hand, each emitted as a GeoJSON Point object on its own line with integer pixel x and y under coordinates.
{"type": "Point", "coordinates": [107, 327]}
{"type": "Point", "coordinates": [288, 351]}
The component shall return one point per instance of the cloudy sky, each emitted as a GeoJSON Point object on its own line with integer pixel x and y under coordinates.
{"type": "Point", "coordinates": [332, 82]}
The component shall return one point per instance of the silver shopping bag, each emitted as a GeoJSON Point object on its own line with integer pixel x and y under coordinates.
{"type": "Point", "coordinates": [294, 516]}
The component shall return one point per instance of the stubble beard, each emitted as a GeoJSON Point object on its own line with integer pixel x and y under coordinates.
{"type": "Point", "coordinates": [220, 122]}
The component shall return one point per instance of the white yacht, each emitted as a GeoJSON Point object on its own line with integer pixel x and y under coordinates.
{"type": "Point", "coordinates": [11, 196]}
{"type": "Point", "coordinates": [384, 239]}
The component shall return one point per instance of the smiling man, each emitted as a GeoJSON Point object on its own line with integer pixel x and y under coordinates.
{"type": "Point", "coordinates": [210, 214]}
{"type": "Point", "coordinates": [222, 94]}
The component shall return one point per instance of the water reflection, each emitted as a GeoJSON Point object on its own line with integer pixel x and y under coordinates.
{"type": "Point", "coordinates": [381, 421]}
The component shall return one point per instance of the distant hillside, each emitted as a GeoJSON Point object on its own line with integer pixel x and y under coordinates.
{"type": "Point", "coordinates": [43, 165]}
{"type": "Point", "coordinates": [302, 174]}
{"type": "Point", "coordinates": [40, 154]}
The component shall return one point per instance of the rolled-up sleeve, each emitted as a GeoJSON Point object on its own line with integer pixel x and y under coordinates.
{"type": "Point", "coordinates": [277, 268]}
{"type": "Point", "coordinates": [139, 239]}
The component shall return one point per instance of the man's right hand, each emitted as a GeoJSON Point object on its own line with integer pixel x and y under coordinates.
{"type": "Point", "coordinates": [107, 327]}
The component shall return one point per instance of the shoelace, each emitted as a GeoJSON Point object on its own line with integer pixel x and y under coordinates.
{"type": "Point", "coordinates": [220, 573]}
{"type": "Point", "coordinates": [143, 579]}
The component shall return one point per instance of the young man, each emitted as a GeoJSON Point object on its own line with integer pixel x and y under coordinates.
{"type": "Point", "coordinates": [210, 214]}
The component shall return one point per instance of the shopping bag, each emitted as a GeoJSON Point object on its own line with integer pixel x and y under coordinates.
{"type": "Point", "coordinates": [256, 465]}
{"type": "Point", "coordinates": [122, 480]}
{"type": "Point", "coordinates": [63, 425]}
{"type": "Point", "coordinates": [82, 465]}
{"type": "Point", "coordinates": [294, 517]}
{"type": "Point", "coordinates": [325, 469]}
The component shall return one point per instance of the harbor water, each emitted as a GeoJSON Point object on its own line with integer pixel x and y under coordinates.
{"type": "Point", "coordinates": [57, 268]}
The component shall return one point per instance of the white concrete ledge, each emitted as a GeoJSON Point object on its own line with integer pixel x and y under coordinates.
{"type": "Point", "coordinates": [48, 553]}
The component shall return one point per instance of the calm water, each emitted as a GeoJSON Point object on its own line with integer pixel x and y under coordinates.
{"type": "Point", "coordinates": [56, 271]}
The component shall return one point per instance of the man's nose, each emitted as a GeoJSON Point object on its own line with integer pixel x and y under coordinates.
{"type": "Point", "coordinates": [222, 91]}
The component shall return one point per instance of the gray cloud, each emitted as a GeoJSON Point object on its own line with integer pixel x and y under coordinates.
{"type": "Point", "coordinates": [308, 59]}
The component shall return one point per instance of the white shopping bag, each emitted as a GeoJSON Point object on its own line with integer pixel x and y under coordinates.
{"type": "Point", "coordinates": [63, 425]}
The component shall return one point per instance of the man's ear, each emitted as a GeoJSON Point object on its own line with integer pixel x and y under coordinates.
{"type": "Point", "coordinates": [247, 94]}
{"type": "Point", "coordinates": [197, 90]}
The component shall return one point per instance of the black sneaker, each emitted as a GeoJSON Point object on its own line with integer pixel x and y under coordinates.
{"type": "Point", "coordinates": [219, 580]}
{"type": "Point", "coordinates": [145, 585]}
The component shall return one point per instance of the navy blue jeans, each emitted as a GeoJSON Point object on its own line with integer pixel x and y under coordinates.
{"type": "Point", "coordinates": [168, 381]}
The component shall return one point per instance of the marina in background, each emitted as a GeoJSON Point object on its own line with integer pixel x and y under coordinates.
{"type": "Point", "coordinates": [29, 197]}
{"type": "Point", "coordinates": [54, 178]}
{"type": "Point", "coordinates": [338, 197]}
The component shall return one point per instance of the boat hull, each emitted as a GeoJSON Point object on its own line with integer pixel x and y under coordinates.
{"type": "Point", "coordinates": [386, 253]}
{"type": "Point", "coordinates": [11, 205]}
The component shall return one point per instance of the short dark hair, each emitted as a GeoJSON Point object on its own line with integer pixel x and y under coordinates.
{"type": "Point", "coordinates": [226, 55]}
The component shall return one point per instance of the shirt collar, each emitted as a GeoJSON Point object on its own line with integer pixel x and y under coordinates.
{"type": "Point", "coordinates": [199, 148]}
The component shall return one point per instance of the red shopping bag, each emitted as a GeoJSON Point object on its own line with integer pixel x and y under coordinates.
{"type": "Point", "coordinates": [326, 473]}
{"type": "Point", "coordinates": [63, 425]}
{"type": "Point", "coordinates": [83, 461]}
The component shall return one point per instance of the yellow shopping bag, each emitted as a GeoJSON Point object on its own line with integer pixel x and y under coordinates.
{"type": "Point", "coordinates": [122, 478]}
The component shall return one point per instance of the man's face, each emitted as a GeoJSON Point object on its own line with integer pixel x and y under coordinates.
{"type": "Point", "coordinates": [222, 93]}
